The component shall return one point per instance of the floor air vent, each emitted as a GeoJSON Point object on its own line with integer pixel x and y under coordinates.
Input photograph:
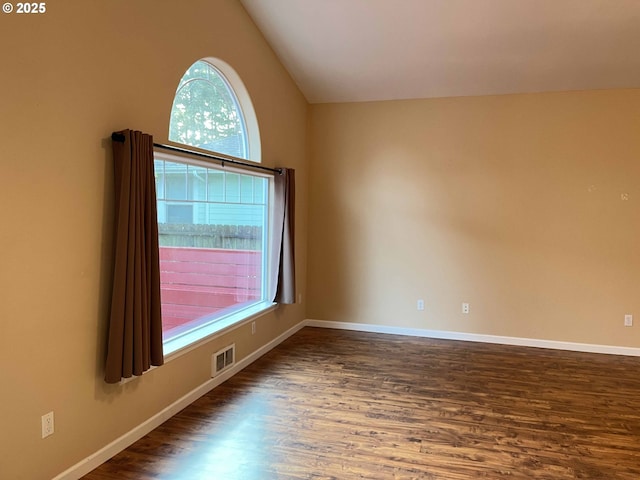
{"type": "Point", "coordinates": [223, 360]}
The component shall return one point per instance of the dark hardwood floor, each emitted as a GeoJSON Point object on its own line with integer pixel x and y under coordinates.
{"type": "Point", "coordinates": [330, 404]}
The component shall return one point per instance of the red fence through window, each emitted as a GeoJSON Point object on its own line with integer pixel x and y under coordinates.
{"type": "Point", "coordinates": [198, 283]}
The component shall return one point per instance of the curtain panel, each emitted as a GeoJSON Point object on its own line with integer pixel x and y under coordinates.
{"type": "Point", "coordinates": [284, 282]}
{"type": "Point", "coordinates": [135, 322]}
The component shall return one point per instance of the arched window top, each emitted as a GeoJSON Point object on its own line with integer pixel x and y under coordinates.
{"type": "Point", "coordinates": [212, 111]}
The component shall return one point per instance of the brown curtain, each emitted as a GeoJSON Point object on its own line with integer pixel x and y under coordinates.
{"type": "Point", "coordinates": [283, 283]}
{"type": "Point", "coordinates": [135, 326]}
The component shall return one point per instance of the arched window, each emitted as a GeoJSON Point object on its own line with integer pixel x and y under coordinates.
{"type": "Point", "coordinates": [213, 220]}
{"type": "Point", "coordinates": [212, 111]}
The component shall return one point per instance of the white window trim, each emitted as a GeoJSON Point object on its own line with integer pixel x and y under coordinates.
{"type": "Point", "coordinates": [193, 339]}
{"type": "Point", "coordinates": [245, 104]}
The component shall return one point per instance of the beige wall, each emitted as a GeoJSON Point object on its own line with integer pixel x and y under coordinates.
{"type": "Point", "coordinates": [511, 203]}
{"type": "Point", "coordinates": [68, 79]}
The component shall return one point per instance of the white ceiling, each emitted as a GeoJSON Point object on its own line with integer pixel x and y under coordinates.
{"type": "Point", "coordinates": [361, 50]}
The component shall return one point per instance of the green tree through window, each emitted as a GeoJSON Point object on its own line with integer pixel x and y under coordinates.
{"type": "Point", "coordinates": [206, 113]}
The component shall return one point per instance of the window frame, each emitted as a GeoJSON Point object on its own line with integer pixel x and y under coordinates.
{"type": "Point", "coordinates": [245, 106]}
{"type": "Point", "coordinates": [192, 338]}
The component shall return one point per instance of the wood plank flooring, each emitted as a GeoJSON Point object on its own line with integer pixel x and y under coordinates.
{"type": "Point", "coordinates": [330, 404]}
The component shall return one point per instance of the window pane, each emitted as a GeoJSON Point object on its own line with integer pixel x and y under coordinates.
{"type": "Point", "coordinates": [246, 190]}
{"type": "Point", "coordinates": [259, 192]}
{"type": "Point", "coordinates": [159, 169]}
{"type": "Point", "coordinates": [212, 247]}
{"type": "Point", "coordinates": [215, 182]}
{"type": "Point", "coordinates": [206, 113]}
{"type": "Point", "coordinates": [232, 188]}
{"type": "Point", "coordinates": [179, 213]}
{"type": "Point", "coordinates": [196, 183]}
{"type": "Point", "coordinates": [175, 180]}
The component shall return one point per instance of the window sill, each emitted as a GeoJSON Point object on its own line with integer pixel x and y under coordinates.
{"type": "Point", "coordinates": [188, 341]}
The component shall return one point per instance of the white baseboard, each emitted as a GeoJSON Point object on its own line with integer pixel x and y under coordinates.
{"type": "Point", "coordinates": [98, 458]}
{"type": "Point", "coordinates": [476, 337]}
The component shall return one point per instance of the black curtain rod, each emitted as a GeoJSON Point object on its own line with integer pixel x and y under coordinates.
{"type": "Point", "coordinates": [119, 137]}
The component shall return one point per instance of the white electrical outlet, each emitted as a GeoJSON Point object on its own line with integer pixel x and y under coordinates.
{"type": "Point", "coordinates": [465, 308]}
{"type": "Point", "coordinates": [47, 424]}
{"type": "Point", "coordinates": [420, 304]}
{"type": "Point", "coordinates": [628, 320]}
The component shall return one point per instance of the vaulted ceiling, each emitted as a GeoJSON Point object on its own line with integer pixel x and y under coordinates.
{"type": "Point", "coordinates": [362, 50]}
